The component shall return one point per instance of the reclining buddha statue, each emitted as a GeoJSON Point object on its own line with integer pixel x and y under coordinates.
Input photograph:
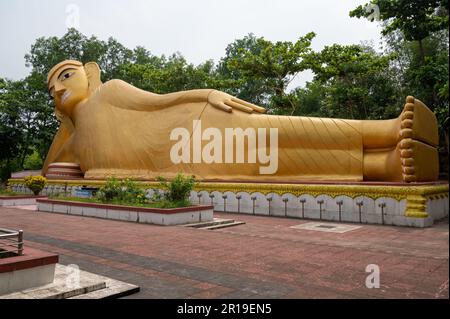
{"type": "Point", "coordinates": [116, 129]}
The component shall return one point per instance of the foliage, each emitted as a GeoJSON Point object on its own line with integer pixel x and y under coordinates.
{"type": "Point", "coordinates": [178, 189]}
{"type": "Point", "coordinates": [26, 122]}
{"type": "Point", "coordinates": [271, 65]}
{"type": "Point", "coordinates": [356, 82]}
{"type": "Point", "coordinates": [416, 19]}
{"type": "Point", "coordinates": [166, 74]}
{"type": "Point", "coordinates": [32, 161]}
{"type": "Point", "coordinates": [121, 191]}
{"type": "Point", "coordinates": [7, 191]}
{"type": "Point", "coordinates": [46, 52]}
{"type": "Point", "coordinates": [127, 192]}
{"type": "Point", "coordinates": [35, 183]}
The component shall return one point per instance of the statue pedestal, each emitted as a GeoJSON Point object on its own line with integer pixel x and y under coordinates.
{"type": "Point", "coordinates": [400, 204]}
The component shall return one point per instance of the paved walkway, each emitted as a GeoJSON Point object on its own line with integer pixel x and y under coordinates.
{"type": "Point", "coordinates": [265, 258]}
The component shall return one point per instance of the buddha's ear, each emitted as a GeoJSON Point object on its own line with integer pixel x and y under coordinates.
{"type": "Point", "coordinates": [93, 73]}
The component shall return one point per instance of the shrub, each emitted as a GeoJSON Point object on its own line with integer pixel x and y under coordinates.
{"type": "Point", "coordinates": [179, 189]}
{"type": "Point", "coordinates": [6, 190]}
{"type": "Point", "coordinates": [35, 183]}
{"type": "Point", "coordinates": [109, 191]}
{"type": "Point", "coordinates": [121, 191]}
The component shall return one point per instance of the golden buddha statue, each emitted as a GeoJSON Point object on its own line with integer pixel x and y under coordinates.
{"type": "Point", "coordinates": [116, 129]}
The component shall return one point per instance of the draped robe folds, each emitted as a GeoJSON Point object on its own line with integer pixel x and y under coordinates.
{"type": "Point", "coordinates": [116, 134]}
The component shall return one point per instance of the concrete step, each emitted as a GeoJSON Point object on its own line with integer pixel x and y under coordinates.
{"type": "Point", "coordinates": [90, 286]}
{"type": "Point", "coordinates": [213, 227]}
{"type": "Point", "coordinates": [215, 221]}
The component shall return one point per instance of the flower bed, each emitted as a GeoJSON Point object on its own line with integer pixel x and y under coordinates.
{"type": "Point", "coordinates": [139, 214]}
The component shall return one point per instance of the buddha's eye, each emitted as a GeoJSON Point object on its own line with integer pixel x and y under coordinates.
{"type": "Point", "coordinates": [67, 75]}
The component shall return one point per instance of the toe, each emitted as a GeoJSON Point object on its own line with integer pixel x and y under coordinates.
{"type": "Point", "coordinates": [410, 99]}
{"type": "Point", "coordinates": [407, 161]}
{"type": "Point", "coordinates": [406, 143]}
{"type": "Point", "coordinates": [407, 123]}
{"type": "Point", "coordinates": [407, 115]}
{"type": "Point", "coordinates": [409, 178]}
{"type": "Point", "coordinates": [408, 170]}
{"type": "Point", "coordinates": [406, 133]}
{"type": "Point", "coordinates": [409, 107]}
{"type": "Point", "coordinates": [406, 153]}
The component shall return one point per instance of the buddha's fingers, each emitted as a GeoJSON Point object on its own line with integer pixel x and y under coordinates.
{"type": "Point", "coordinates": [250, 105]}
{"type": "Point", "coordinates": [239, 106]}
{"type": "Point", "coordinates": [222, 106]}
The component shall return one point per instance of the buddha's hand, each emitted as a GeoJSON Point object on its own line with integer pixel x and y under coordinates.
{"type": "Point", "coordinates": [227, 103]}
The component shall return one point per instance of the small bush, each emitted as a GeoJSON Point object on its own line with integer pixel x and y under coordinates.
{"type": "Point", "coordinates": [179, 189]}
{"type": "Point", "coordinates": [176, 192]}
{"type": "Point", "coordinates": [6, 190]}
{"type": "Point", "coordinates": [121, 191]}
{"type": "Point", "coordinates": [35, 183]}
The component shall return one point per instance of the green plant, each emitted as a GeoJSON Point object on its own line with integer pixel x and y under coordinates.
{"type": "Point", "coordinates": [179, 189]}
{"type": "Point", "coordinates": [132, 192]}
{"type": "Point", "coordinates": [121, 191]}
{"type": "Point", "coordinates": [6, 190]}
{"type": "Point", "coordinates": [35, 183]}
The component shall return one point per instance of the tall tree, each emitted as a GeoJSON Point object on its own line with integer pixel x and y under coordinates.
{"type": "Point", "coordinates": [416, 19]}
{"type": "Point", "coordinates": [46, 52]}
{"type": "Point", "coordinates": [356, 81]}
{"type": "Point", "coordinates": [271, 65]}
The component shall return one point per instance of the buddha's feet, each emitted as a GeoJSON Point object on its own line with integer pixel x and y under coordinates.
{"type": "Point", "coordinates": [417, 142]}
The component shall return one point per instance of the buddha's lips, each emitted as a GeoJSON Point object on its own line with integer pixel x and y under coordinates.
{"type": "Point", "coordinates": [65, 96]}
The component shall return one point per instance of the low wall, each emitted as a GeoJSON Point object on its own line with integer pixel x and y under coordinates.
{"type": "Point", "coordinates": [18, 200]}
{"type": "Point", "coordinates": [158, 216]}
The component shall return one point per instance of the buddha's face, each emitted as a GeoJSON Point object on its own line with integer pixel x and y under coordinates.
{"type": "Point", "coordinates": [68, 87]}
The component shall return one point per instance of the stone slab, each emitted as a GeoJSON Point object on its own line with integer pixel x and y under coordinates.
{"type": "Point", "coordinates": [90, 286]}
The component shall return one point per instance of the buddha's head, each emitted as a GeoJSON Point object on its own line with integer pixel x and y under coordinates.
{"type": "Point", "coordinates": [69, 83]}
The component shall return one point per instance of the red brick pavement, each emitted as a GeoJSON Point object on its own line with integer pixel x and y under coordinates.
{"type": "Point", "coordinates": [263, 258]}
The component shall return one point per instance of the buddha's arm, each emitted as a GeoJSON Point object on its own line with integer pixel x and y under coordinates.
{"type": "Point", "coordinates": [59, 141]}
{"type": "Point", "coordinates": [124, 95]}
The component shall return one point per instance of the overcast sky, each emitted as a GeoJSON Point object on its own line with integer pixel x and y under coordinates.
{"type": "Point", "coordinates": [199, 30]}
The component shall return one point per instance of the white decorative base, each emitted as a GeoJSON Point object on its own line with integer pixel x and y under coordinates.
{"type": "Point", "coordinates": [414, 205]}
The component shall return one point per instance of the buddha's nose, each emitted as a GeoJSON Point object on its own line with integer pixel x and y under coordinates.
{"type": "Point", "coordinates": [59, 88]}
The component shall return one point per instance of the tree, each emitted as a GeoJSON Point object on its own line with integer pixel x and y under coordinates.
{"type": "Point", "coordinates": [416, 19]}
{"type": "Point", "coordinates": [232, 80]}
{"type": "Point", "coordinates": [356, 82]}
{"type": "Point", "coordinates": [164, 75]}
{"type": "Point", "coordinates": [271, 65]}
{"type": "Point", "coordinates": [47, 52]}
{"type": "Point", "coordinates": [309, 100]}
